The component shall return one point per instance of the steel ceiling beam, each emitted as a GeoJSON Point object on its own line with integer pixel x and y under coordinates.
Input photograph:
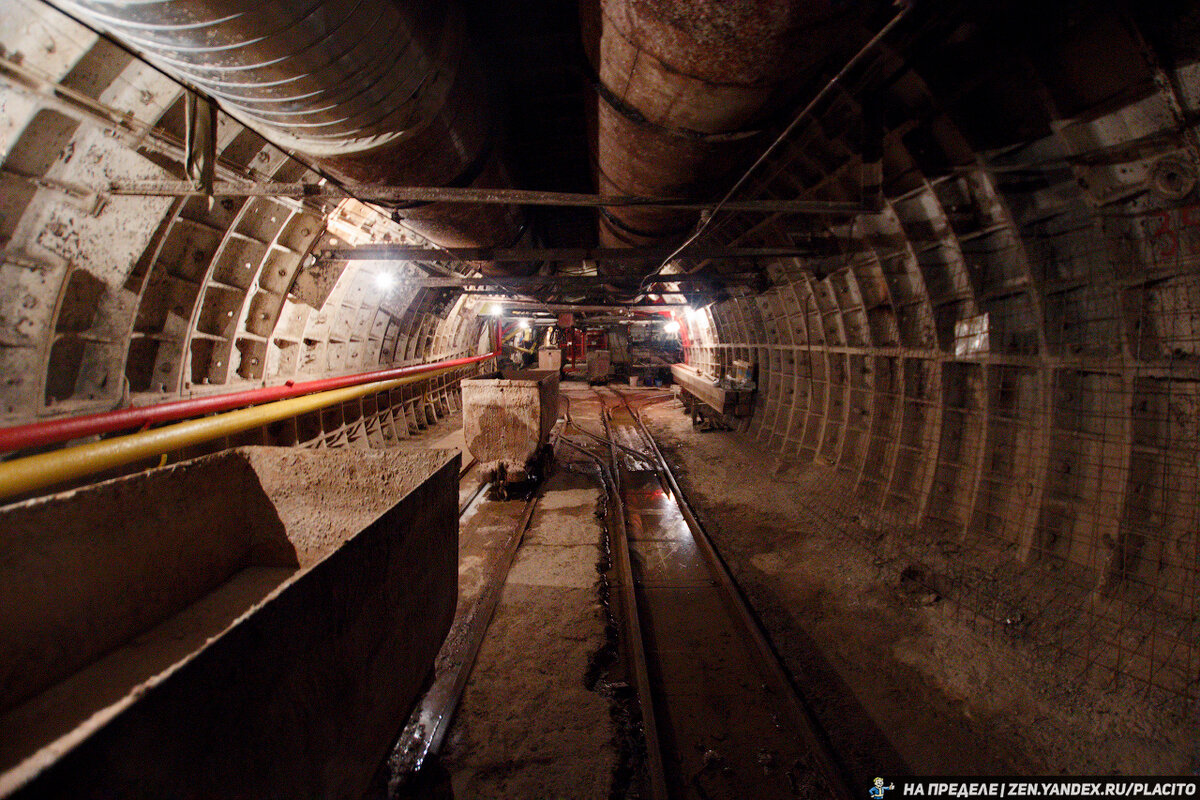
{"type": "Point", "coordinates": [582, 307]}
{"type": "Point", "coordinates": [397, 252]}
{"type": "Point", "coordinates": [448, 194]}
{"type": "Point", "coordinates": [574, 281]}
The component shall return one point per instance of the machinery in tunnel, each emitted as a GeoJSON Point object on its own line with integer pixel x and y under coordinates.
{"type": "Point", "coordinates": [928, 271]}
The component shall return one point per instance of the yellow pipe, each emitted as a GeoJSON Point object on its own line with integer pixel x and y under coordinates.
{"type": "Point", "coordinates": [24, 475]}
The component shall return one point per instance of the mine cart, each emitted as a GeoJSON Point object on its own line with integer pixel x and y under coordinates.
{"type": "Point", "coordinates": [507, 420]}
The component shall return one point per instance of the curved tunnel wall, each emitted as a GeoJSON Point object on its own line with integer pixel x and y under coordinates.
{"type": "Point", "coordinates": [1004, 366]}
{"type": "Point", "coordinates": [107, 299]}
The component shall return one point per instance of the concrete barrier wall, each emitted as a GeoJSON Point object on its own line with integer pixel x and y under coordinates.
{"type": "Point", "coordinates": [303, 693]}
{"type": "Point", "coordinates": [84, 571]}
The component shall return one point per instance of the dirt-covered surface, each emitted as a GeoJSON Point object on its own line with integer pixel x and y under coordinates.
{"type": "Point", "coordinates": [528, 725]}
{"type": "Point", "coordinates": [901, 679]}
{"type": "Point", "coordinates": [138, 593]}
{"type": "Point", "coordinates": [325, 496]}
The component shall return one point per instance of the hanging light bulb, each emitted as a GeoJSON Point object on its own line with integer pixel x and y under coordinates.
{"type": "Point", "coordinates": [671, 327]}
{"type": "Point", "coordinates": [384, 281]}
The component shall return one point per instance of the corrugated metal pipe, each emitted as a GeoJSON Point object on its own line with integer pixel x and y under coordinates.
{"type": "Point", "coordinates": [373, 91]}
{"type": "Point", "coordinates": [684, 91]}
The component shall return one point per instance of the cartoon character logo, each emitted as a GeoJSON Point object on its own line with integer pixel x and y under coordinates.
{"type": "Point", "coordinates": [878, 789]}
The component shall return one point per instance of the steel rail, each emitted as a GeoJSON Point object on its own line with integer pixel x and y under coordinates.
{"type": "Point", "coordinates": [569, 422]}
{"type": "Point", "coordinates": [430, 720]}
{"type": "Point", "coordinates": [51, 431]}
{"type": "Point", "coordinates": [467, 466]}
{"type": "Point", "coordinates": [632, 640]}
{"type": "Point", "coordinates": [635, 644]}
{"type": "Point", "coordinates": [479, 489]}
{"type": "Point", "coordinates": [22, 476]}
{"type": "Point", "coordinates": [735, 601]}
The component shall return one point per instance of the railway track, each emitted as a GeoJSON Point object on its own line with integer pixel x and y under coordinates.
{"type": "Point", "coordinates": [722, 717]}
{"type": "Point", "coordinates": [492, 532]}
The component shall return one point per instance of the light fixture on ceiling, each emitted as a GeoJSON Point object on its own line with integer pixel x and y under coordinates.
{"type": "Point", "coordinates": [495, 310]}
{"type": "Point", "coordinates": [671, 327]}
{"type": "Point", "coordinates": [385, 281]}
{"type": "Point", "coordinates": [523, 324]}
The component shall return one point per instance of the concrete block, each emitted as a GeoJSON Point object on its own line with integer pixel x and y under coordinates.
{"type": "Point", "coordinates": [256, 623]}
{"type": "Point", "coordinates": [550, 358]}
{"type": "Point", "coordinates": [733, 402]}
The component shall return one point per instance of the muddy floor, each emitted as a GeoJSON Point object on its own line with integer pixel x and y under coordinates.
{"type": "Point", "coordinates": [528, 725]}
{"type": "Point", "coordinates": [901, 680]}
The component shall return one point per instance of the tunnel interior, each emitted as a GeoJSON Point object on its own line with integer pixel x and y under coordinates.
{"type": "Point", "coordinates": [908, 294]}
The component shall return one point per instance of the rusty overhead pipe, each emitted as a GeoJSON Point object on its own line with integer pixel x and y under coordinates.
{"type": "Point", "coordinates": [684, 91]}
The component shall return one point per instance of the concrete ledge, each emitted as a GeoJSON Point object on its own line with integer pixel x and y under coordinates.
{"type": "Point", "coordinates": [301, 675]}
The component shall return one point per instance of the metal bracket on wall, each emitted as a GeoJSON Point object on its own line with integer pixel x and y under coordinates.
{"type": "Point", "coordinates": [200, 144]}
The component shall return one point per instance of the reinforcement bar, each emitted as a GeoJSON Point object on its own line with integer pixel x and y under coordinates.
{"type": "Point", "coordinates": [36, 434]}
{"type": "Point", "coordinates": [22, 476]}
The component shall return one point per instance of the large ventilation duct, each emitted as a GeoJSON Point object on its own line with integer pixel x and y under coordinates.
{"type": "Point", "coordinates": [373, 91]}
{"type": "Point", "coordinates": [683, 88]}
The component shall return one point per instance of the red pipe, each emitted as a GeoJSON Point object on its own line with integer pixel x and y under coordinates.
{"type": "Point", "coordinates": [34, 434]}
